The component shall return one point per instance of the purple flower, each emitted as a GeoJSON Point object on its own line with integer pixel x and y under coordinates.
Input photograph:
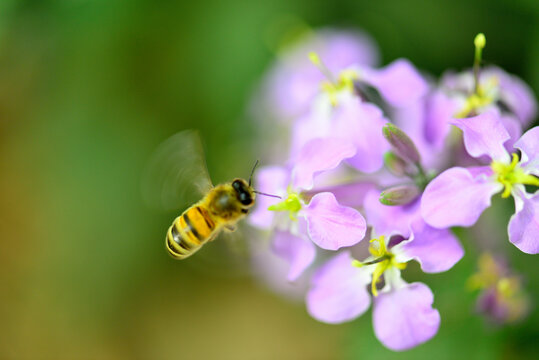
{"type": "Point", "coordinates": [457, 97]}
{"type": "Point", "coordinates": [496, 88]}
{"type": "Point", "coordinates": [304, 213]}
{"type": "Point", "coordinates": [399, 84]}
{"type": "Point", "coordinates": [425, 122]}
{"type": "Point", "coordinates": [458, 196]}
{"type": "Point", "coordinates": [293, 82]}
{"type": "Point", "coordinates": [502, 299]}
{"type": "Point", "coordinates": [353, 121]}
{"type": "Point", "coordinates": [390, 220]}
{"type": "Point", "coordinates": [340, 111]}
{"type": "Point", "coordinates": [403, 316]}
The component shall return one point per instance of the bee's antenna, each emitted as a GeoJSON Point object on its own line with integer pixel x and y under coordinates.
{"type": "Point", "coordinates": [252, 171]}
{"type": "Point", "coordinates": [261, 193]}
{"type": "Point", "coordinates": [251, 178]}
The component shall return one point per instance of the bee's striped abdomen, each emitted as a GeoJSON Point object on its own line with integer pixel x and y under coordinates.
{"type": "Point", "coordinates": [189, 232]}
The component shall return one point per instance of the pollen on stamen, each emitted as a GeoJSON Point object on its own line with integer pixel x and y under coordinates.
{"type": "Point", "coordinates": [511, 174]}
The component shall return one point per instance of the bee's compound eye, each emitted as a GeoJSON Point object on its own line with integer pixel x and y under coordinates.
{"type": "Point", "coordinates": [236, 185]}
{"type": "Point", "coordinates": [245, 198]}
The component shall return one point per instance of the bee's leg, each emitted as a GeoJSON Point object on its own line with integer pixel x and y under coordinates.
{"type": "Point", "coordinates": [230, 228]}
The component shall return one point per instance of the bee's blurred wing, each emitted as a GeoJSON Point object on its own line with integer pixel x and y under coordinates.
{"type": "Point", "coordinates": [176, 175]}
{"type": "Point", "coordinates": [236, 241]}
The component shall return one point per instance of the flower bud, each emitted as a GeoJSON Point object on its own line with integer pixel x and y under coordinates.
{"type": "Point", "coordinates": [399, 195]}
{"type": "Point", "coordinates": [401, 143]}
{"type": "Point", "coordinates": [394, 164]}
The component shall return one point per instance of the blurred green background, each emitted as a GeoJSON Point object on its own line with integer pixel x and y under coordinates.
{"type": "Point", "coordinates": [88, 89]}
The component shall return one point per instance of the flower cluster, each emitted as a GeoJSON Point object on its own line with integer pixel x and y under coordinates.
{"type": "Point", "coordinates": [374, 153]}
{"type": "Point", "coordinates": [502, 298]}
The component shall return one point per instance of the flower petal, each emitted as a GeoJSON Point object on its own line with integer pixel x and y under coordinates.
{"type": "Point", "coordinates": [272, 270]}
{"type": "Point", "coordinates": [517, 95]}
{"type": "Point", "coordinates": [294, 81]}
{"type": "Point", "coordinates": [352, 195]}
{"type": "Point", "coordinates": [437, 250]}
{"type": "Point", "coordinates": [311, 126]}
{"type": "Point", "coordinates": [458, 196]}
{"type": "Point", "coordinates": [332, 226]}
{"type": "Point", "coordinates": [514, 129]}
{"type": "Point", "coordinates": [524, 224]}
{"type": "Point", "coordinates": [271, 180]}
{"type": "Point", "coordinates": [404, 318]}
{"type": "Point", "coordinates": [529, 146]}
{"type": "Point", "coordinates": [340, 49]}
{"type": "Point", "coordinates": [390, 220]}
{"type": "Point", "coordinates": [319, 155]}
{"type": "Point", "coordinates": [338, 292]}
{"type": "Point", "coordinates": [440, 110]}
{"type": "Point", "coordinates": [361, 124]}
{"type": "Point", "coordinates": [484, 134]}
{"type": "Point", "coordinates": [399, 83]}
{"type": "Point", "coordinates": [298, 251]}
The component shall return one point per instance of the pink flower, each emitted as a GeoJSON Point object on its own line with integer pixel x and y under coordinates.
{"type": "Point", "coordinates": [403, 316]}
{"type": "Point", "coordinates": [458, 196]}
{"type": "Point", "coordinates": [293, 82]}
{"type": "Point", "coordinates": [303, 218]}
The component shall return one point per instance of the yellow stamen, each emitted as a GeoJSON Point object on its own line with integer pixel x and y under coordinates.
{"type": "Point", "coordinates": [512, 174]}
{"type": "Point", "coordinates": [475, 102]}
{"type": "Point", "coordinates": [483, 96]}
{"type": "Point", "coordinates": [479, 42]}
{"type": "Point", "coordinates": [384, 260]}
{"type": "Point", "coordinates": [292, 204]}
{"type": "Point", "coordinates": [378, 271]}
{"type": "Point", "coordinates": [332, 87]}
{"type": "Point", "coordinates": [378, 246]}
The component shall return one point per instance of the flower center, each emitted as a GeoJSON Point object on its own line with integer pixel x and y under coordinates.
{"type": "Point", "coordinates": [344, 83]}
{"type": "Point", "coordinates": [482, 97]}
{"type": "Point", "coordinates": [512, 174]}
{"type": "Point", "coordinates": [384, 260]}
{"type": "Point", "coordinates": [292, 204]}
{"type": "Point", "coordinates": [331, 86]}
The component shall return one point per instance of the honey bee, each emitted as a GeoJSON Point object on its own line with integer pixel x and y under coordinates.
{"type": "Point", "coordinates": [178, 171]}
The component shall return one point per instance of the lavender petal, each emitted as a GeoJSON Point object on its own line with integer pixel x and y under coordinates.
{"type": "Point", "coordinates": [524, 224]}
{"type": "Point", "coordinates": [436, 250]}
{"type": "Point", "coordinates": [458, 196]}
{"type": "Point", "coordinates": [319, 155]}
{"type": "Point", "coordinates": [404, 318]}
{"type": "Point", "coordinates": [331, 225]}
{"type": "Point", "coordinates": [529, 146]}
{"type": "Point", "coordinates": [338, 292]}
{"type": "Point", "coordinates": [399, 83]}
{"type": "Point", "coordinates": [484, 134]}
{"type": "Point", "coordinates": [298, 251]}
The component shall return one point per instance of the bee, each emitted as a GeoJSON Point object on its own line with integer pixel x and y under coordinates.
{"type": "Point", "coordinates": [221, 208]}
{"type": "Point", "coordinates": [178, 171]}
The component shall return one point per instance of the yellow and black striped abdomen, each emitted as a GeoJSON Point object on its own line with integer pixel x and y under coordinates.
{"type": "Point", "coordinates": [189, 232]}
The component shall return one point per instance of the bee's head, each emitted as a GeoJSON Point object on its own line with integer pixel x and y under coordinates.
{"type": "Point", "coordinates": [244, 193]}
